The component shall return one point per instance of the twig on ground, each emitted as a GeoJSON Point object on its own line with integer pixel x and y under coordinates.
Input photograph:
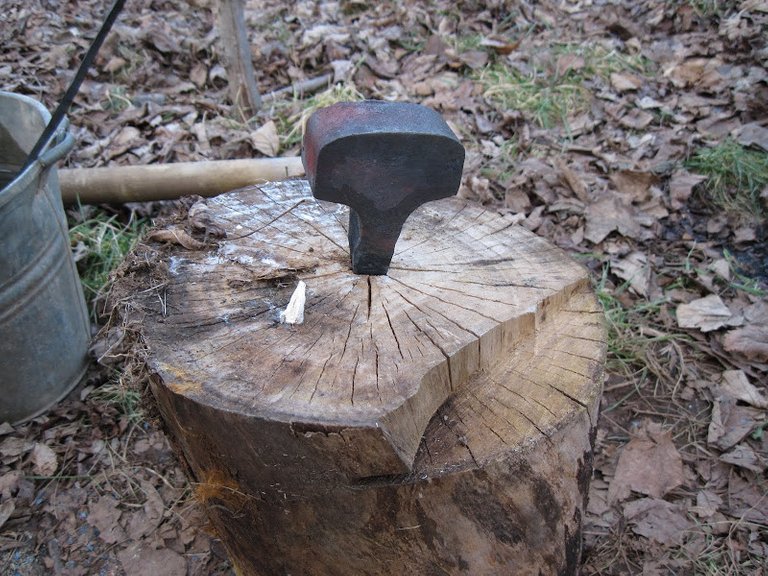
{"type": "Point", "coordinates": [302, 87]}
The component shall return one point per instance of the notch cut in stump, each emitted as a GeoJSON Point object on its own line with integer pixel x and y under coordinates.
{"type": "Point", "coordinates": [436, 420]}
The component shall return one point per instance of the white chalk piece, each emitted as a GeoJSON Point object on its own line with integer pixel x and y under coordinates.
{"type": "Point", "coordinates": [294, 312]}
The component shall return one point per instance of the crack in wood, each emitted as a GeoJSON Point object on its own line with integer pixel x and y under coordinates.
{"type": "Point", "coordinates": [354, 378]}
{"type": "Point", "coordinates": [370, 296]}
{"type": "Point", "coordinates": [392, 328]}
{"type": "Point", "coordinates": [305, 358]}
{"type": "Point", "coordinates": [443, 225]}
{"type": "Point", "coordinates": [465, 294]}
{"type": "Point", "coordinates": [319, 378]}
{"type": "Point", "coordinates": [435, 297]}
{"type": "Point", "coordinates": [461, 439]}
{"type": "Point", "coordinates": [483, 420]}
{"type": "Point", "coordinates": [493, 284]}
{"type": "Point", "coordinates": [574, 355]}
{"type": "Point", "coordinates": [529, 400]}
{"type": "Point", "coordinates": [267, 224]}
{"type": "Point", "coordinates": [439, 313]}
{"type": "Point", "coordinates": [544, 434]}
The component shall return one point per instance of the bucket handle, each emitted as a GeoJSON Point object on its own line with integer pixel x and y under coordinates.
{"type": "Point", "coordinates": [57, 152]}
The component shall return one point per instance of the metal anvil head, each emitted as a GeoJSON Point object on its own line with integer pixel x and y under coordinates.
{"type": "Point", "coordinates": [383, 160]}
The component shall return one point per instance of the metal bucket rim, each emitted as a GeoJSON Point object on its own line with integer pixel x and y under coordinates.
{"type": "Point", "coordinates": [61, 143]}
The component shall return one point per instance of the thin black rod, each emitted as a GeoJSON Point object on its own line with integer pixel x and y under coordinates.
{"type": "Point", "coordinates": [71, 92]}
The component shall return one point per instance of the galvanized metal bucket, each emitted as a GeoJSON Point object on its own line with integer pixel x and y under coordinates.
{"type": "Point", "coordinates": [44, 326]}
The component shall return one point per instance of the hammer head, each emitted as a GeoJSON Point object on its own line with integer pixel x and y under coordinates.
{"type": "Point", "coordinates": [383, 160]}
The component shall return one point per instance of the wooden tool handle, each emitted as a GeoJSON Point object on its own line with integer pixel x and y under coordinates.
{"type": "Point", "coordinates": [118, 184]}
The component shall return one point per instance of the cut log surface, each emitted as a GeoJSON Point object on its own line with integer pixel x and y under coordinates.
{"type": "Point", "coordinates": [436, 420]}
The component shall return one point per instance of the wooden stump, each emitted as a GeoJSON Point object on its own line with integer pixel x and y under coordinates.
{"type": "Point", "coordinates": [437, 420]}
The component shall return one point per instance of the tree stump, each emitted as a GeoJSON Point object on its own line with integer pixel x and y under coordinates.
{"type": "Point", "coordinates": [436, 420]}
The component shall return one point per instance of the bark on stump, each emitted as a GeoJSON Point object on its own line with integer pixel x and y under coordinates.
{"type": "Point", "coordinates": [437, 420]}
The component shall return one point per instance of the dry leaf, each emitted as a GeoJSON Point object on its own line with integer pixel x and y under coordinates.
{"type": "Point", "coordinates": [598, 498]}
{"type": "Point", "coordinates": [573, 181]}
{"type": "Point", "coordinates": [104, 516]}
{"type": "Point", "coordinates": [718, 125]}
{"type": "Point", "coordinates": [266, 139]}
{"type": "Point", "coordinates": [534, 219]}
{"type": "Point", "coordinates": [648, 464]}
{"type": "Point", "coordinates": [707, 504]}
{"type": "Point", "coordinates": [568, 62]}
{"type": "Point", "coordinates": [319, 33]}
{"type": "Point", "coordinates": [623, 82]}
{"type": "Point", "coordinates": [202, 137]}
{"type": "Point", "coordinates": [115, 64]}
{"type": "Point", "coordinates": [610, 213]}
{"type": "Point", "coordinates": [199, 74]}
{"type": "Point", "coordinates": [681, 187]}
{"type": "Point", "coordinates": [500, 46]}
{"type": "Point", "coordinates": [154, 507]}
{"type": "Point", "coordinates": [636, 119]}
{"type": "Point", "coordinates": [701, 72]}
{"type": "Point", "coordinates": [657, 520]}
{"type": "Point", "coordinates": [9, 483]}
{"type": "Point", "coordinates": [648, 103]}
{"type": "Point", "coordinates": [176, 236]}
{"type": "Point", "coordinates": [746, 499]}
{"type": "Point", "coordinates": [634, 269]}
{"type": "Point", "coordinates": [11, 448]}
{"type": "Point", "coordinates": [744, 456]}
{"type": "Point", "coordinates": [567, 205]}
{"type": "Point", "coordinates": [744, 234]}
{"type": "Point", "coordinates": [756, 5]}
{"type": "Point", "coordinates": [141, 559]}
{"type": "Point", "coordinates": [730, 423]}
{"type": "Point", "coordinates": [384, 67]}
{"type": "Point", "coordinates": [752, 341]}
{"type": "Point", "coordinates": [474, 59]}
{"type": "Point", "coordinates": [44, 460]}
{"type": "Point", "coordinates": [6, 509]}
{"type": "Point", "coordinates": [517, 200]}
{"type": "Point", "coordinates": [143, 522]}
{"type": "Point", "coordinates": [127, 138]}
{"type": "Point", "coordinates": [199, 218]}
{"type": "Point", "coordinates": [722, 268]}
{"type": "Point", "coordinates": [342, 70]}
{"type": "Point", "coordinates": [480, 188]}
{"type": "Point", "coordinates": [734, 383]}
{"type": "Point", "coordinates": [753, 135]}
{"type": "Point", "coordinates": [706, 314]}
{"type": "Point", "coordinates": [634, 183]}
{"type": "Point", "coordinates": [217, 72]}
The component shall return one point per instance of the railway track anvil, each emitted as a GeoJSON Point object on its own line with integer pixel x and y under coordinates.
{"type": "Point", "coordinates": [383, 160]}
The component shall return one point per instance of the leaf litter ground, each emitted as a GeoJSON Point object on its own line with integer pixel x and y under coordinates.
{"type": "Point", "coordinates": [603, 126]}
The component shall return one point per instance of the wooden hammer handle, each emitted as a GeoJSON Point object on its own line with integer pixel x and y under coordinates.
{"type": "Point", "coordinates": [118, 184]}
